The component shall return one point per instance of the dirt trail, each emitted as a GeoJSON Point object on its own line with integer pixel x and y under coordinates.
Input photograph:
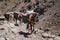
{"type": "Point", "coordinates": [11, 32]}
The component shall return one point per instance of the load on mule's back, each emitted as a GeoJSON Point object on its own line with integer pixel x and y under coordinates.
{"type": "Point", "coordinates": [31, 17]}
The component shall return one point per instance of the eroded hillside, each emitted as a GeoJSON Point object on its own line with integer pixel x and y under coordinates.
{"type": "Point", "coordinates": [48, 27]}
{"type": "Point", "coordinates": [51, 19]}
{"type": "Point", "coordinates": [17, 5]}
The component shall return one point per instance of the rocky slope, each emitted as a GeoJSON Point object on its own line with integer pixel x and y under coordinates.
{"type": "Point", "coordinates": [51, 19]}
{"type": "Point", "coordinates": [10, 32]}
{"type": "Point", "coordinates": [48, 28]}
{"type": "Point", "coordinates": [17, 5]}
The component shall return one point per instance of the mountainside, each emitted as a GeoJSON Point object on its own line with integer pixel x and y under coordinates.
{"type": "Point", "coordinates": [51, 19]}
{"type": "Point", "coordinates": [48, 27]}
{"type": "Point", "coordinates": [18, 5]}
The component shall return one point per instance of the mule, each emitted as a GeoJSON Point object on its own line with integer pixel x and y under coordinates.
{"type": "Point", "coordinates": [20, 16]}
{"type": "Point", "coordinates": [32, 22]}
{"type": "Point", "coordinates": [6, 16]}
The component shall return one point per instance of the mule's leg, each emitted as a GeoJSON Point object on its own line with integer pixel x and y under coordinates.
{"type": "Point", "coordinates": [32, 28]}
{"type": "Point", "coordinates": [20, 19]}
{"type": "Point", "coordinates": [16, 21]}
{"type": "Point", "coordinates": [27, 26]}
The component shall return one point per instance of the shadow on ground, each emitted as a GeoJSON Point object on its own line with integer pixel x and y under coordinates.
{"type": "Point", "coordinates": [24, 34]}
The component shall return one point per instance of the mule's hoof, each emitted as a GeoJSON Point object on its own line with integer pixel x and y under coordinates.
{"type": "Point", "coordinates": [16, 24]}
{"type": "Point", "coordinates": [34, 32]}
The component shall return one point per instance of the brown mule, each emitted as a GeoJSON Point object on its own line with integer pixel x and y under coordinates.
{"type": "Point", "coordinates": [31, 23]}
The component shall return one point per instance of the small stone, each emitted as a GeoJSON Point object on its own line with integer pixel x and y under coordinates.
{"type": "Point", "coordinates": [57, 38]}
{"type": "Point", "coordinates": [40, 28]}
{"type": "Point", "coordinates": [1, 38]}
{"type": "Point", "coordinates": [46, 35]}
{"type": "Point", "coordinates": [58, 34]}
{"type": "Point", "coordinates": [50, 39]}
{"type": "Point", "coordinates": [40, 31]}
{"type": "Point", "coordinates": [1, 28]}
{"type": "Point", "coordinates": [46, 30]}
{"type": "Point", "coordinates": [8, 39]}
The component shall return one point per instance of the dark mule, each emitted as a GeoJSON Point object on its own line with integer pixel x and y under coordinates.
{"type": "Point", "coordinates": [15, 18]}
{"type": "Point", "coordinates": [6, 16]}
